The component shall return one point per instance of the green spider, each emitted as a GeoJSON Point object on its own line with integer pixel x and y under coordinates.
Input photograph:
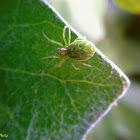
{"type": "Point", "coordinates": [78, 50]}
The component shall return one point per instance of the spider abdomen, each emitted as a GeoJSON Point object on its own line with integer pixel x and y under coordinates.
{"type": "Point", "coordinates": [81, 50]}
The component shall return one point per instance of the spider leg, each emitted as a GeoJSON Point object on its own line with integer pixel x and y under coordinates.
{"type": "Point", "coordinates": [59, 64]}
{"type": "Point", "coordinates": [64, 35]}
{"type": "Point", "coordinates": [69, 36]}
{"type": "Point", "coordinates": [50, 57]}
{"type": "Point", "coordinates": [73, 65]}
{"type": "Point", "coordinates": [84, 64]}
{"type": "Point", "coordinates": [54, 42]}
{"type": "Point", "coordinates": [80, 38]}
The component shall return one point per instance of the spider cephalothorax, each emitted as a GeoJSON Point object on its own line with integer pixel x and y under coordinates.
{"type": "Point", "coordinates": [63, 52]}
{"type": "Point", "coordinates": [78, 50]}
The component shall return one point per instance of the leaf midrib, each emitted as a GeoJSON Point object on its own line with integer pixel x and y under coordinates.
{"type": "Point", "coordinates": [56, 78]}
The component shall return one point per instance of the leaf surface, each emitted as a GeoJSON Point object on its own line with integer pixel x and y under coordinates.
{"type": "Point", "coordinates": [37, 103]}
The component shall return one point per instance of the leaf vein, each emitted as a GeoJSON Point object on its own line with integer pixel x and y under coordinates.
{"type": "Point", "coordinates": [36, 24]}
{"type": "Point", "coordinates": [58, 79]}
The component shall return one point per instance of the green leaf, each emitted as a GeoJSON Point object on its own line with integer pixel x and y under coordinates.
{"type": "Point", "coordinates": [132, 6]}
{"type": "Point", "coordinates": [37, 103]}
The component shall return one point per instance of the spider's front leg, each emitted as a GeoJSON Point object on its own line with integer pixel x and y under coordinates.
{"type": "Point", "coordinates": [64, 35]}
{"type": "Point", "coordinates": [54, 42]}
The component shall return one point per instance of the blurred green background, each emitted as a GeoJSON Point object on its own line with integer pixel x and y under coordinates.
{"type": "Point", "coordinates": [117, 34]}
